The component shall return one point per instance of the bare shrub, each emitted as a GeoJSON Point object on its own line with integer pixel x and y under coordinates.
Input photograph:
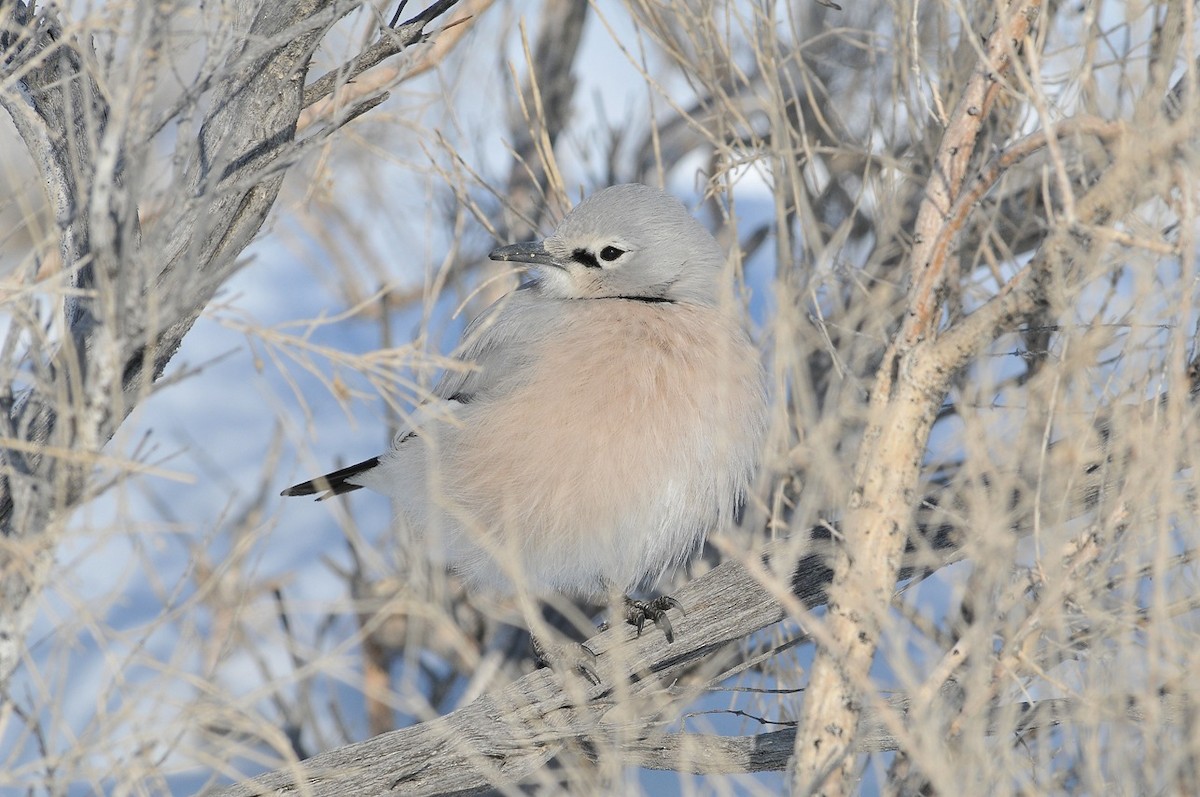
{"type": "Point", "coordinates": [966, 234]}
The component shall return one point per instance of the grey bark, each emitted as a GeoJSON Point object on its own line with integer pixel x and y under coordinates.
{"type": "Point", "coordinates": [137, 288]}
{"type": "Point", "coordinates": [501, 739]}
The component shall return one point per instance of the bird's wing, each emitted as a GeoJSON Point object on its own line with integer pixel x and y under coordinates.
{"type": "Point", "coordinates": [496, 348]}
{"type": "Point", "coordinates": [491, 360]}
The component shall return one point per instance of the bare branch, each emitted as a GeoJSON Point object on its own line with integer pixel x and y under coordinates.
{"type": "Point", "coordinates": [501, 738]}
{"type": "Point", "coordinates": [227, 177]}
{"type": "Point", "coordinates": [392, 41]}
{"type": "Point", "coordinates": [771, 751]}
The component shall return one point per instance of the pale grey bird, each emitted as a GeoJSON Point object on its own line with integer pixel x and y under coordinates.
{"type": "Point", "coordinates": [607, 417]}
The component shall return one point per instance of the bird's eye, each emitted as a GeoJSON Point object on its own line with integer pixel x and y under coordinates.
{"type": "Point", "coordinates": [610, 253]}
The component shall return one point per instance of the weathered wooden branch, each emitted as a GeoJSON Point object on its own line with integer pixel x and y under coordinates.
{"type": "Point", "coordinates": [905, 400]}
{"type": "Point", "coordinates": [137, 287]}
{"type": "Point", "coordinates": [502, 739]}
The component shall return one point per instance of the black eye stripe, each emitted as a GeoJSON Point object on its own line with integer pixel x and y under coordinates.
{"type": "Point", "coordinates": [586, 258]}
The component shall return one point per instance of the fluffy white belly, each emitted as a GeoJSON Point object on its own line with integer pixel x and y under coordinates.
{"type": "Point", "coordinates": [591, 476]}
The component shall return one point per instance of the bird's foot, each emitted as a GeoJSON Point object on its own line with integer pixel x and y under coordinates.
{"type": "Point", "coordinates": [637, 612]}
{"type": "Point", "coordinates": [570, 657]}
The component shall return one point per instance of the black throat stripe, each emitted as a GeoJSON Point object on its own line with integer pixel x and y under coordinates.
{"type": "Point", "coordinates": [647, 299]}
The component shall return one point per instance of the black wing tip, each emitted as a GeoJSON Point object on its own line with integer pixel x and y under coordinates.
{"type": "Point", "coordinates": [332, 484]}
{"type": "Point", "coordinates": [307, 488]}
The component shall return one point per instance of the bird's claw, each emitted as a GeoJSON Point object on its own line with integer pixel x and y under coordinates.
{"type": "Point", "coordinates": [637, 612]}
{"type": "Point", "coordinates": [577, 657]}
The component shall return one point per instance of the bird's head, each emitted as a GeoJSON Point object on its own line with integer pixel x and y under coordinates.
{"type": "Point", "coordinates": [628, 240]}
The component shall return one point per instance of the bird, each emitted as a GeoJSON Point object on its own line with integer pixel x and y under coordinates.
{"type": "Point", "coordinates": [602, 419]}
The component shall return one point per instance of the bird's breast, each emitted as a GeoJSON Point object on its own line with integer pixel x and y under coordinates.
{"type": "Point", "coordinates": [624, 443]}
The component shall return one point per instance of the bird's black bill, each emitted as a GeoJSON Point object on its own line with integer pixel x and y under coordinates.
{"type": "Point", "coordinates": [530, 252]}
{"type": "Point", "coordinates": [332, 484]}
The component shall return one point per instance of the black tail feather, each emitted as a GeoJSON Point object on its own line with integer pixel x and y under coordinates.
{"type": "Point", "coordinates": [332, 484]}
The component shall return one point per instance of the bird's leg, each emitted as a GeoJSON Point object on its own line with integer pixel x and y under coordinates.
{"type": "Point", "coordinates": [570, 656]}
{"type": "Point", "coordinates": [637, 612]}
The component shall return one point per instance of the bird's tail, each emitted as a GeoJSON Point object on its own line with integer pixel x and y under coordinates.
{"type": "Point", "coordinates": [335, 483]}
